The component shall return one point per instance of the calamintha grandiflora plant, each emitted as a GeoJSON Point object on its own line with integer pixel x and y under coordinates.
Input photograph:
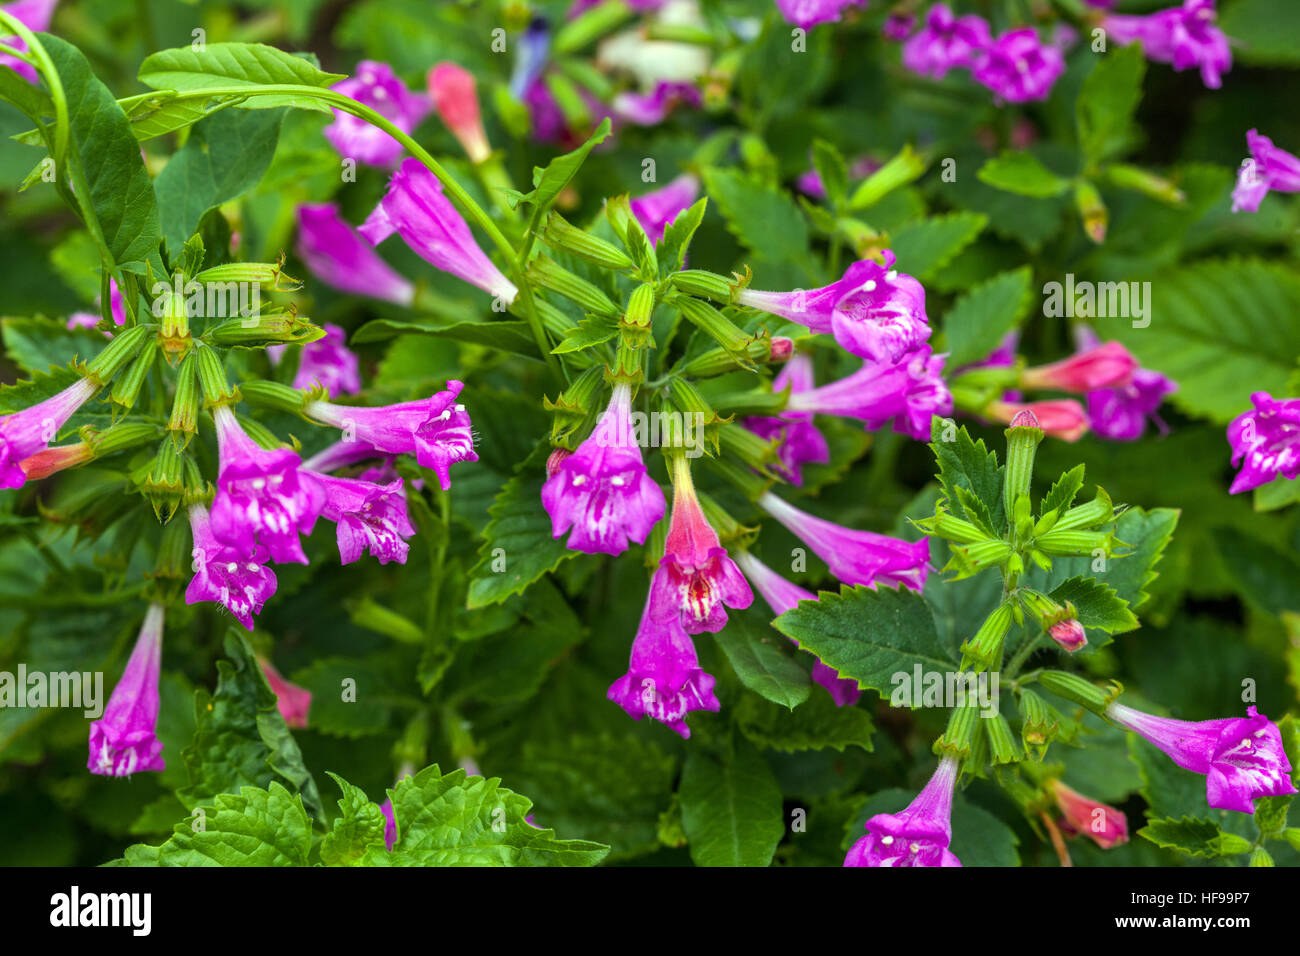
{"type": "Point", "coordinates": [613, 447]}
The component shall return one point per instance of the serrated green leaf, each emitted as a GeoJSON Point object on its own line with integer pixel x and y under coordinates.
{"type": "Point", "coordinates": [518, 541]}
{"type": "Point", "coordinates": [761, 217]}
{"type": "Point", "coordinates": [978, 321]}
{"type": "Point", "coordinates": [549, 182]}
{"type": "Point", "coordinates": [924, 247]}
{"type": "Point", "coordinates": [731, 808]}
{"type": "Point", "coordinates": [968, 464]}
{"type": "Point", "coordinates": [761, 665]}
{"type": "Point", "coordinates": [1098, 605]}
{"type": "Point", "coordinates": [1024, 174]}
{"type": "Point", "coordinates": [1191, 835]}
{"type": "Point", "coordinates": [814, 725]}
{"type": "Point", "coordinates": [671, 250]}
{"type": "Point", "coordinates": [1063, 491]}
{"type": "Point", "coordinates": [457, 820]}
{"type": "Point", "coordinates": [358, 828]}
{"type": "Point", "coordinates": [1108, 100]}
{"type": "Point", "coordinates": [36, 344]}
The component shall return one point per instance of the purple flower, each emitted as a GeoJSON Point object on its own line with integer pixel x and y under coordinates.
{"type": "Point", "coordinates": [855, 557]}
{"type": "Point", "coordinates": [664, 680]}
{"type": "Point", "coordinates": [125, 740]}
{"type": "Point", "coordinates": [696, 581]}
{"type": "Point", "coordinates": [84, 320]}
{"type": "Point", "coordinates": [337, 255]}
{"type": "Point", "coordinates": [910, 391]}
{"type": "Point", "coordinates": [436, 430]}
{"type": "Point", "coordinates": [1017, 68]}
{"type": "Point", "coordinates": [656, 210]}
{"type": "Point", "coordinates": [945, 42]}
{"type": "Point", "coordinates": [916, 836]}
{"type": "Point", "coordinates": [376, 86]}
{"type": "Point", "coordinates": [1268, 440]}
{"type": "Point", "coordinates": [781, 595]}
{"type": "Point", "coordinates": [549, 124]}
{"type": "Point", "coordinates": [1183, 36]}
{"type": "Point", "coordinates": [35, 15]}
{"type": "Point", "coordinates": [237, 580]}
{"type": "Point", "coordinates": [651, 109]}
{"type": "Point", "coordinates": [809, 13]}
{"type": "Point", "coordinates": [897, 26]}
{"type": "Point", "coordinates": [800, 440]}
{"type": "Point", "coordinates": [24, 433]}
{"type": "Point", "coordinates": [415, 208]}
{"type": "Point", "coordinates": [367, 516]}
{"type": "Point", "coordinates": [329, 363]}
{"type": "Point", "coordinates": [1242, 757]}
{"type": "Point", "coordinates": [1120, 412]}
{"type": "Point", "coordinates": [602, 491]}
{"type": "Point", "coordinates": [1268, 168]}
{"type": "Point", "coordinates": [873, 311]}
{"type": "Point", "coordinates": [810, 182]}
{"type": "Point", "coordinates": [531, 51]}
{"type": "Point", "coordinates": [262, 496]}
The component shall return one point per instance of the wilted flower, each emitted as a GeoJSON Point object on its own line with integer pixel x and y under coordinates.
{"type": "Point", "coordinates": [452, 89]}
{"type": "Point", "coordinates": [1265, 442]}
{"type": "Point", "coordinates": [1268, 168]}
{"type": "Point", "coordinates": [664, 680]}
{"type": "Point", "coordinates": [916, 836]}
{"type": "Point", "coordinates": [293, 701]}
{"type": "Point", "coordinates": [436, 430]}
{"type": "Point", "coordinates": [48, 461]}
{"type": "Point", "coordinates": [237, 580]}
{"type": "Point", "coordinates": [262, 497]}
{"type": "Point", "coordinates": [696, 581]}
{"type": "Point", "coordinates": [1242, 757]}
{"type": "Point", "coordinates": [873, 311]}
{"type": "Point", "coordinates": [855, 557]}
{"type": "Point", "coordinates": [367, 516]}
{"type": "Point", "coordinates": [377, 87]}
{"type": "Point", "coordinates": [656, 210]}
{"type": "Point", "coordinates": [1120, 412]}
{"type": "Point", "coordinates": [415, 208]}
{"type": "Point", "coordinates": [809, 13]}
{"type": "Point", "coordinates": [1102, 824]}
{"type": "Point", "coordinates": [1018, 68]}
{"type": "Point", "coordinates": [781, 595]}
{"type": "Point", "coordinates": [910, 391]}
{"type": "Point", "coordinates": [602, 491]}
{"type": "Point", "coordinates": [1183, 36]}
{"type": "Point", "coordinates": [946, 41]}
{"type": "Point", "coordinates": [1060, 418]}
{"type": "Point", "coordinates": [125, 740]}
{"type": "Point", "coordinates": [800, 440]}
{"type": "Point", "coordinates": [24, 433]}
{"type": "Point", "coordinates": [337, 255]}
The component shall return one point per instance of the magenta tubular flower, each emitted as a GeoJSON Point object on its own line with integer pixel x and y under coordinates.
{"type": "Point", "coordinates": [35, 15]}
{"type": "Point", "coordinates": [855, 557]}
{"type": "Point", "coordinates": [1060, 418]}
{"type": "Point", "coordinates": [651, 109]}
{"type": "Point", "coordinates": [946, 41]}
{"type": "Point", "coordinates": [1018, 68]}
{"type": "Point", "coordinates": [601, 494]}
{"type": "Point", "coordinates": [125, 740]}
{"type": "Point", "coordinates": [800, 440]}
{"type": "Point", "coordinates": [84, 320]}
{"type": "Point", "coordinates": [1265, 442]}
{"type": "Point", "coordinates": [1120, 412]}
{"type": "Point", "coordinates": [237, 580]}
{"type": "Point", "coordinates": [1268, 168]}
{"type": "Point", "coordinates": [1183, 37]}
{"type": "Point", "coordinates": [873, 311]}
{"type": "Point", "coordinates": [781, 595]}
{"type": "Point", "coordinates": [1103, 366]}
{"type": "Point", "coordinates": [23, 434]}
{"type": "Point", "coordinates": [367, 516]}
{"type": "Point", "coordinates": [696, 581]}
{"type": "Point", "coordinates": [809, 13]}
{"type": "Point", "coordinates": [337, 255]}
{"type": "Point", "coordinates": [415, 208]}
{"type": "Point", "coordinates": [656, 210]}
{"type": "Point", "coordinates": [377, 87]}
{"type": "Point", "coordinates": [897, 26]}
{"type": "Point", "coordinates": [262, 496]}
{"type": "Point", "coordinates": [455, 97]}
{"type": "Point", "coordinates": [664, 680]}
{"type": "Point", "coordinates": [329, 363]}
{"type": "Point", "coordinates": [1242, 757]}
{"type": "Point", "coordinates": [293, 702]}
{"type": "Point", "coordinates": [436, 430]}
{"type": "Point", "coordinates": [1101, 823]}
{"type": "Point", "coordinates": [916, 836]}
{"type": "Point", "coordinates": [910, 392]}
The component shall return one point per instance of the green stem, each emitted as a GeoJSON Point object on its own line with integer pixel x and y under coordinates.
{"type": "Point", "coordinates": [1009, 672]}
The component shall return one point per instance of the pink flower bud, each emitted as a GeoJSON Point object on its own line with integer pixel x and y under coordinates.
{"type": "Point", "coordinates": [1061, 418]}
{"type": "Point", "coordinates": [454, 96]}
{"type": "Point", "coordinates": [1102, 824]}
{"type": "Point", "coordinates": [1069, 634]}
{"type": "Point", "coordinates": [1102, 367]}
{"type": "Point", "coordinates": [782, 349]}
